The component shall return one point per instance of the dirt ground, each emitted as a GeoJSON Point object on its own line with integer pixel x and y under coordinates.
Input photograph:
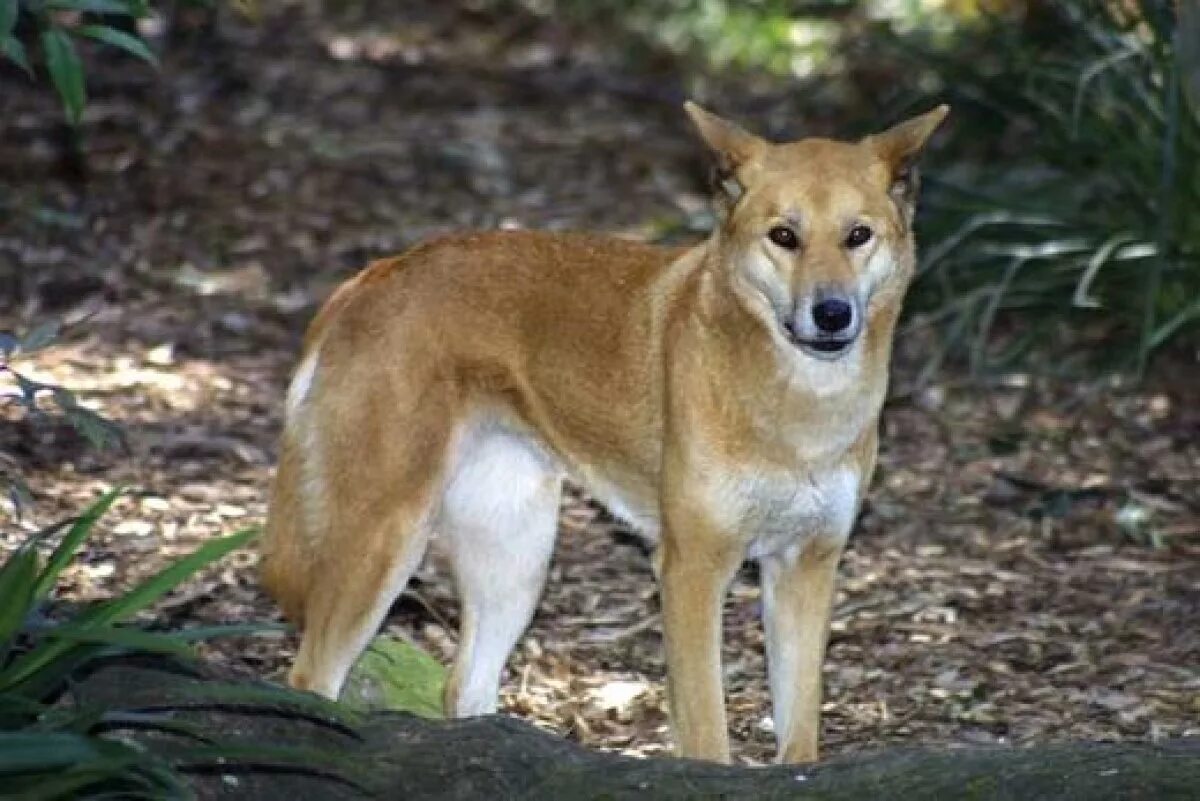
{"type": "Point", "coordinates": [1027, 567]}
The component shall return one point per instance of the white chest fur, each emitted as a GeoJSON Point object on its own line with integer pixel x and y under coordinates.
{"type": "Point", "coordinates": [780, 513]}
{"type": "Point", "coordinates": [771, 512]}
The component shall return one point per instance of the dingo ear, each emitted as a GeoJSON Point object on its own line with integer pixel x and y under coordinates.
{"type": "Point", "coordinates": [733, 147]}
{"type": "Point", "coordinates": [899, 147]}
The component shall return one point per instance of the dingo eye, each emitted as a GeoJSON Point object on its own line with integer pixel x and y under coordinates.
{"type": "Point", "coordinates": [784, 237]}
{"type": "Point", "coordinates": [859, 235]}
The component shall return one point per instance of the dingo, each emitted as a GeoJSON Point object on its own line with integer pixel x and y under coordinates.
{"type": "Point", "coordinates": [724, 399]}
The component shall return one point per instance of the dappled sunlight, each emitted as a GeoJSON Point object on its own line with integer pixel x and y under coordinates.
{"type": "Point", "coordinates": [1027, 565]}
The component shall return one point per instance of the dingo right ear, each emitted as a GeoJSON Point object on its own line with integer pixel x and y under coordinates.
{"type": "Point", "coordinates": [734, 147]}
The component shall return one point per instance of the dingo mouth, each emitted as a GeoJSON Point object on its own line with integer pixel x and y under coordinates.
{"type": "Point", "coordinates": [828, 348]}
{"type": "Point", "coordinates": [825, 349]}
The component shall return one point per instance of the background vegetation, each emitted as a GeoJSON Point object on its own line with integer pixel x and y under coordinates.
{"type": "Point", "coordinates": [1064, 212]}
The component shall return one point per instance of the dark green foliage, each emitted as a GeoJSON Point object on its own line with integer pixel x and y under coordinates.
{"type": "Point", "coordinates": [757, 35]}
{"type": "Point", "coordinates": [99, 431]}
{"type": "Point", "coordinates": [52, 747]}
{"type": "Point", "coordinates": [56, 22]}
{"type": "Point", "coordinates": [1089, 216]}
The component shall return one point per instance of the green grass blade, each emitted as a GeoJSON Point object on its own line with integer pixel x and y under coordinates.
{"type": "Point", "coordinates": [131, 777]}
{"type": "Point", "coordinates": [25, 752]}
{"type": "Point", "coordinates": [12, 49]}
{"type": "Point", "coordinates": [346, 768]}
{"type": "Point", "coordinates": [115, 7]}
{"type": "Point", "coordinates": [119, 39]}
{"type": "Point", "coordinates": [66, 72]}
{"type": "Point", "coordinates": [1188, 40]}
{"type": "Point", "coordinates": [8, 17]}
{"type": "Point", "coordinates": [11, 705]}
{"type": "Point", "coordinates": [122, 607]}
{"type": "Point", "coordinates": [49, 672]}
{"type": "Point", "coordinates": [18, 578]}
{"type": "Point", "coordinates": [1082, 297]}
{"type": "Point", "coordinates": [306, 704]}
{"type": "Point", "coordinates": [164, 581]}
{"type": "Point", "coordinates": [1088, 76]}
{"type": "Point", "coordinates": [228, 630]}
{"type": "Point", "coordinates": [39, 337]}
{"type": "Point", "coordinates": [1166, 209]}
{"type": "Point", "coordinates": [79, 531]}
{"type": "Point", "coordinates": [979, 350]}
{"type": "Point", "coordinates": [1167, 330]}
{"type": "Point", "coordinates": [164, 723]}
{"type": "Point", "coordinates": [127, 638]}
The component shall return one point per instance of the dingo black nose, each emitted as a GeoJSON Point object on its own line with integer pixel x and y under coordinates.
{"type": "Point", "coordinates": [833, 315]}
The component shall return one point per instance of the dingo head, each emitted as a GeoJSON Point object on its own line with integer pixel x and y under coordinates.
{"type": "Point", "coordinates": [818, 233]}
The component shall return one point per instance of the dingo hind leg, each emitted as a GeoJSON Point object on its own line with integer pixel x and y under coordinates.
{"type": "Point", "coordinates": [499, 516]}
{"type": "Point", "coordinates": [351, 592]}
{"type": "Point", "coordinates": [376, 468]}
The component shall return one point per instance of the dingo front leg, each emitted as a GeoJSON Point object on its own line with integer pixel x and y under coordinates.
{"type": "Point", "coordinates": [696, 567]}
{"type": "Point", "coordinates": [797, 600]}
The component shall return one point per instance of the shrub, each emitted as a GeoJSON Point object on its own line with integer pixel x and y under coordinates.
{"type": "Point", "coordinates": [28, 394]}
{"type": "Point", "coordinates": [55, 24]}
{"type": "Point", "coordinates": [53, 746]}
{"type": "Point", "coordinates": [1090, 216]}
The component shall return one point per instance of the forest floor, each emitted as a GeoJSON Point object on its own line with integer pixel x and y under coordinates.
{"type": "Point", "coordinates": [1026, 569]}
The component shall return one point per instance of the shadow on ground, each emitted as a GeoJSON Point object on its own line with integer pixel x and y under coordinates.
{"type": "Point", "coordinates": [1027, 568]}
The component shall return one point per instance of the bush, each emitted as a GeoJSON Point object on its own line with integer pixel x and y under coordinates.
{"type": "Point", "coordinates": [1088, 215]}
{"type": "Point", "coordinates": [54, 25]}
{"type": "Point", "coordinates": [54, 746]}
{"type": "Point", "coordinates": [28, 394]}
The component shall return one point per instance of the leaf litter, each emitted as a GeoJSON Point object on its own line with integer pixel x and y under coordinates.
{"type": "Point", "coordinates": [1026, 569]}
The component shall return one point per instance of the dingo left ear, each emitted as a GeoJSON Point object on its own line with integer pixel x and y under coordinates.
{"type": "Point", "coordinates": [735, 148]}
{"type": "Point", "coordinates": [899, 147]}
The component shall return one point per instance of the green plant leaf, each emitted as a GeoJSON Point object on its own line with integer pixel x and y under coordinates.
{"type": "Point", "coordinates": [50, 675]}
{"type": "Point", "coordinates": [18, 581]}
{"type": "Point", "coordinates": [227, 630]}
{"type": "Point", "coordinates": [99, 431]}
{"type": "Point", "coordinates": [349, 768]}
{"type": "Point", "coordinates": [103, 782]}
{"type": "Point", "coordinates": [165, 580]}
{"type": "Point", "coordinates": [59, 765]}
{"type": "Point", "coordinates": [39, 336]}
{"type": "Point", "coordinates": [1188, 40]}
{"type": "Point", "coordinates": [65, 398]}
{"type": "Point", "coordinates": [66, 548]}
{"type": "Point", "coordinates": [127, 638]}
{"type": "Point", "coordinates": [154, 721]}
{"type": "Point", "coordinates": [23, 752]}
{"type": "Point", "coordinates": [29, 389]}
{"type": "Point", "coordinates": [18, 706]}
{"type": "Point", "coordinates": [301, 703]}
{"type": "Point", "coordinates": [93, 782]}
{"type": "Point", "coordinates": [112, 611]}
{"type": "Point", "coordinates": [8, 16]}
{"type": "Point", "coordinates": [12, 49]}
{"type": "Point", "coordinates": [1102, 94]}
{"type": "Point", "coordinates": [118, 7]}
{"type": "Point", "coordinates": [127, 42]}
{"type": "Point", "coordinates": [1167, 329]}
{"type": "Point", "coordinates": [66, 72]}
{"type": "Point", "coordinates": [54, 218]}
{"type": "Point", "coordinates": [19, 494]}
